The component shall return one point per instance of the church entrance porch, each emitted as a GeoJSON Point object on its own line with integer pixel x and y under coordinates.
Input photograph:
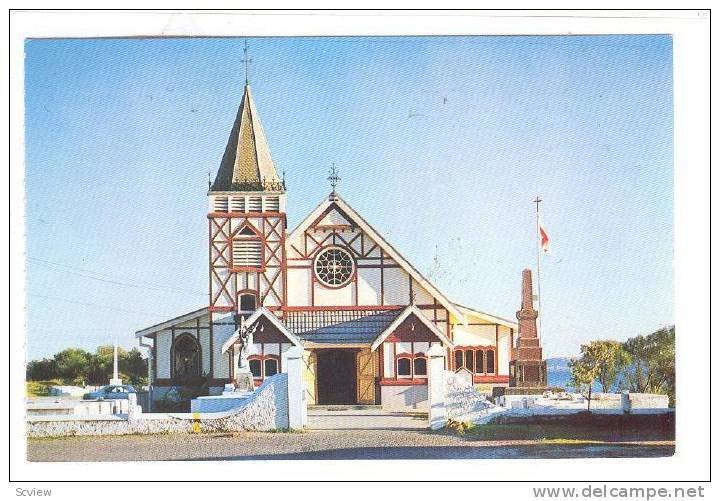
{"type": "Point", "coordinates": [336, 376]}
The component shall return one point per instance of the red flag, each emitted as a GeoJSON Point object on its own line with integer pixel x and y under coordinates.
{"type": "Point", "coordinates": [544, 238]}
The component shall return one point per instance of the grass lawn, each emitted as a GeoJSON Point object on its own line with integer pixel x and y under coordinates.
{"type": "Point", "coordinates": [40, 388]}
{"type": "Point", "coordinates": [559, 432]}
{"type": "Point", "coordinates": [574, 429]}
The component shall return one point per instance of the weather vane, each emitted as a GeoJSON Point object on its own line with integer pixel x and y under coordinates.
{"type": "Point", "coordinates": [246, 60]}
{"type": "Point", "coordinates": [334, 178]}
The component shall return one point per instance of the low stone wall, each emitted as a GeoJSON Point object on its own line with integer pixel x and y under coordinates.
{"type": "Point", "coordinates": [70, 391]}
{"type": "Point", "coordinates": [266, 410]}
{"type": "Point", "coordinates": [77, 407]}
{"type": "Point", "coordinates": [648, 402]}
{"type": "Point", "coordinates": [575, 402]}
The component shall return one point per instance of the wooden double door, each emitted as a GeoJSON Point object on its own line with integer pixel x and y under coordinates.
{"type": "Point", "coordinates": [345, 376]}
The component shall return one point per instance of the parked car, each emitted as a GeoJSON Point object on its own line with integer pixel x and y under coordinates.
{"type": "Point", "coordinates": [110, 392]}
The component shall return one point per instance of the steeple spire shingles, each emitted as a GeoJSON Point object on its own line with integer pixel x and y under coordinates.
{"type": "Point", "coordinates": [247, 164]}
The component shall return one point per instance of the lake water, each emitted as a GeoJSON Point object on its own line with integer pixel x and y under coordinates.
{"type": "Point", "coordinates": [558, 374]}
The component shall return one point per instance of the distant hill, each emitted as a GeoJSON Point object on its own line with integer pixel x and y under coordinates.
{"type": "Point", "coordinates": [558, 363]}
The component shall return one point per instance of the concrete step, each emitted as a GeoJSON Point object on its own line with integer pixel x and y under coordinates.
{"type": "Point", "coordinates": [339, 408]}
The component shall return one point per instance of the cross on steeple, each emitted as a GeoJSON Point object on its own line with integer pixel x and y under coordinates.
{"type": "Point", "coordinates": [537, 203]}
{"type": "Point", "coordinates": [334, 177]}
{"type": "Point", "coordinates": [246, 59]}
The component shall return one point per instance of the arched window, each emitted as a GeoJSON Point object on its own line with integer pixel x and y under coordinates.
{"type": "Point", "coordinates": [247, 304]}
{"type": "Point", "coordinates": [470, 360]}
{"type": "Point", "coordinates": [255, 367]}
{"type": "Point", "coordinates": [185, 357]}
{"type": "Point", "coordinates": [458, 359]}
{"type": "Point", "coordinates": [479, 362]}
{"type": "Point", "coordinates": [490, 359]}
{"type": "Point", "coordinates": [404, 367]}
{"type": "Point", "coordinates": [270, 365]}
{"type": "Point", "coordinates": [420, 366]}
{"type": "Point", "coordinates": [263, 366]}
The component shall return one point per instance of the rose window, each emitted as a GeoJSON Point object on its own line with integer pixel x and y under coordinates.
{"type": "Point", "coordinates": [334, 266]}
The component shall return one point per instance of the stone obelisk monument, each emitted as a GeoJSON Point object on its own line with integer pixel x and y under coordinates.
{"type": "Point", "coordinates": [115, 379]}
{"type": "Point", "coordinates": [527, 367]}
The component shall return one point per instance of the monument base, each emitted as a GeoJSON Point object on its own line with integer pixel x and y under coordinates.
{"type": "Point", "coordinates": [528, 373]}
{"type": "Point", "coordinates": [244, 382]}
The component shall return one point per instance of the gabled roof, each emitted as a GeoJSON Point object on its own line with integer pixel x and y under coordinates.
{"type": "Point", "coordinates": [335, 199]}
{"type": "Point", "coordinates": [263, 312]}
{"type": "Point", "coordinates": [339, 327]}
{"type": "Point", "coordinates": [488, 317]}
{"type": "Point", "coordinates": [173, 321]}
{"type": "Point", "coordinates": [410, 310]}
{"type": "Point", "coordinates": [247, 164]}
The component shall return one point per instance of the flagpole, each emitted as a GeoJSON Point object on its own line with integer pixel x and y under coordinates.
{"type": "Point", "coordinates": [537, 246]}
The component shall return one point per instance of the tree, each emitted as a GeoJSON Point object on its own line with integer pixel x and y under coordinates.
{"type": "Point", "coordinates": [41, 370]}
{"type": "Point", "coordinates": [73, 365]}
{"type": "Point", "coordinates": [77, 366]}
{"type": "Point", "coordinates": [134, 366]}
{"type": "Point", "coordinates": [652, 367]}
{"type": "Point", "coordinates": [603, 361]}
{"type": "Point", "coordinates": [583, 372]}
{"type": "Point", "coordinates": [101, 365]}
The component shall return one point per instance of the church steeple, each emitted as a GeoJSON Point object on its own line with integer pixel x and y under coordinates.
{"type": "Point", "coordinates": [247, 164]}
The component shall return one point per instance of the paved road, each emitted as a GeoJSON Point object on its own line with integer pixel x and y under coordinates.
{"type": "Point", "coordinates": [319, 444]}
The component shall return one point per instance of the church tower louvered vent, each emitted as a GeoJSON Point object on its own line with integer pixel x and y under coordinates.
{"type": "Point", "coordinates": [247, 253]}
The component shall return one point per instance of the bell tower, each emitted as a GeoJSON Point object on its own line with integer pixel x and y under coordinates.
{"type": "Point", "coordinates": [247, 221]}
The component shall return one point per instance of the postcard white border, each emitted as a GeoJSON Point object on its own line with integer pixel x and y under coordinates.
{"type": "Point", "coordinates": [690, 31]}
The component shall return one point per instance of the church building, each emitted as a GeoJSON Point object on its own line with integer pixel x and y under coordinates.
{"type": "Point", "coordinates": [364, 317]}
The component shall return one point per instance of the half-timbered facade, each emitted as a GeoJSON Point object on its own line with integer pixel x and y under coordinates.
{"type": "Point", "coordinates": [364, 316]}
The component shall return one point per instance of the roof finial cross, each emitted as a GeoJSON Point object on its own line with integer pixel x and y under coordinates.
{"type": "Point", "coordinates": [537, 203]}
{"type": "Point", "coordinates": [334, 177]}
{"type": "Point", "coordinates": [246, 59]}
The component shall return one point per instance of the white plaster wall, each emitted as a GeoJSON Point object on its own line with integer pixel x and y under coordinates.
{"type": "Point", "coordinates": [221, 333]}
{"type": "Point", "coordinates": [325, 296]}
{"type": "Point", "coordinates": [421, 347]}
{"type": "Point", "coordinates": [404, 398]}
{"type": "Point", "coordinates": [223, 299]}
{"type": "Point", "coordinates": [333, 218]}
{"type": "Point", "coordinates": [389, 360]}
{"type": "Point", "coordinates": [421, 295]}
{"type": "Point", "coordinates": [272, 349]}
{"type": "Point", "coordinates": [397, 286]}
{"type": "Point", "coordinates": [284, 347]}
{"type": "Point", "coordinates": [503, 351]}
{"type": "Point", "coordinates": [429, 315]}
{"type": "Point", "coordinates": [474, 335]}
{"type": "Point", "coordinates": [298, 288]}
{"type": "Point", "coordinates": [205, 348]}
{"type": "Point", "coordinates": [368, 286]}
{"type": "Point", "coordinates": [164, 342]}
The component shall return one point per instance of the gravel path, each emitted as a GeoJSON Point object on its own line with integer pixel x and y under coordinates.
{"type": "Point", "coordinates": [320, 444]}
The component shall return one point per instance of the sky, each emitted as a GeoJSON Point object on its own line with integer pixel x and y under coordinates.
{"type": "Point", "coordinates": [442, 144]}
